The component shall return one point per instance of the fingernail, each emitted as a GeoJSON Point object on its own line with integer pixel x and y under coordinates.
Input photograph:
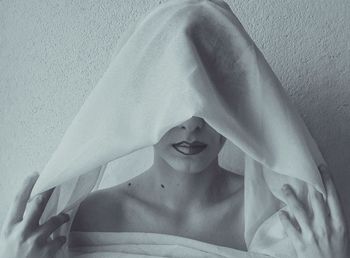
{"type": "Point", "coordinates": [281, 213]}
{"type": "Point", "coordinates": [39, 199]}
{"type": "Point", "coordinates": [65, 216]}
{"type": "Point", "coordinates": [324, 171]}
{"type": "Point", "coordinates": [322, 167]}
{"type": "Point", "coordinates": [285, 188]}
{"type": "Point", "coordinates": [34, 174]}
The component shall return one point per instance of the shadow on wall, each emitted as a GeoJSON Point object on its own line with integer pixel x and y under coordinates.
{"type": "Point", "coordinates": [329, 124]}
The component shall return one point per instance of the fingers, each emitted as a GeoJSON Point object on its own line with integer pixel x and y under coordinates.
{"type": "Point", "coordinates": [36, 209]}
{"type": "Point", "coordinates": [288, 227]}
{"type": "Point", "coordinates": [332, 199]}
{"type": "Point", "coordinates": [52, 224]}
{"type": "Point", "coordinates": [320, 209]}
{"type": "Point", "coordinates": [296, 208]}
{"type": "Point", "coordinates": [55, 244]}
{"type": "Point", "coordinates": [18, 206]}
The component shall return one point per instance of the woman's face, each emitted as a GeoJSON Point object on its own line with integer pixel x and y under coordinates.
{"type": "Point", "coordinates": [205, 145]}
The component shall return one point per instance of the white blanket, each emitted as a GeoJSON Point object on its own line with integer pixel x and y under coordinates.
{"type": "Point", "coordinates": [188, 58]}
{"type": "Point", "coordinates": [139, 244]}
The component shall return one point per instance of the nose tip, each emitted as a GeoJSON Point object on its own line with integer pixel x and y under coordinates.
{"type": "Point", "coordinates": [193, 123]}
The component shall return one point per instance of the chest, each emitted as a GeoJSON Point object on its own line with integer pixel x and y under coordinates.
{"type": "Point", "coordinates": [220, 224]}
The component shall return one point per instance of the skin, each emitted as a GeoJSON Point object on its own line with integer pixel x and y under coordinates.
{"type": "Point", "coordinates": [322, 235]}
{"type": "Point", "coordinates": [21, 234]}
{"type": "Point", "coordinates": [181, 196]}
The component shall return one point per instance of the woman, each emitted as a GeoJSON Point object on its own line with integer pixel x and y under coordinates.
{"type": "Point", "coordinates": [181, 194]}
{"type": "Point", "coordinates": [187, 72]}
{"type": "Point", "coordinates": [185, 192]}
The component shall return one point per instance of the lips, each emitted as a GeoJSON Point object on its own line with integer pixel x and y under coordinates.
{"type": "Point", "coordinates": [190, 144]}
{"type": "Point", "coordinates": [187, 148]}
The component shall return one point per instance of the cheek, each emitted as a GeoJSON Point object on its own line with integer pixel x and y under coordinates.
{"type": "Point", "coordinates": [215, 143]}
{"type": "Point", "coordinates": [213, 151]}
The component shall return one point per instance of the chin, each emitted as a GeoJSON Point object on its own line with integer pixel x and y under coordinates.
{"type": "Point", "coordinates": [189, 166]}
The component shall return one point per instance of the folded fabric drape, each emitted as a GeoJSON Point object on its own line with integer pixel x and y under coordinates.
{"type": "Point", "coordinates": [188, 58]}
{"type": "Point", "coordinates": [138, 244]}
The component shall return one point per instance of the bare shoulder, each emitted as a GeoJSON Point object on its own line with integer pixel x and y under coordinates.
{"type": "Point", "coordinates": [108, 209]}
{"type": "Point", "coordinates": [100, 210]}
{"type": "Point", "coordinates": [114, 209]}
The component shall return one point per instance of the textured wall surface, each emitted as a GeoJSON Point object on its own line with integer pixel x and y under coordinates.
{"type": "Point", "coordinates": [52, 53]}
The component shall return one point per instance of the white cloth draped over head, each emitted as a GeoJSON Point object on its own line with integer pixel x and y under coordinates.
{"type": "Point", "coordinates": [188, 58]}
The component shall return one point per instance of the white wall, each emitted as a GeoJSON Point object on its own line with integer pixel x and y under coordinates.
{"type": "Point", "coordinates": [52, 53]}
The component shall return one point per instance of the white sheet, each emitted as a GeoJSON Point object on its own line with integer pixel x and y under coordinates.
{"type": "Point", "coordinates": [140, 244]}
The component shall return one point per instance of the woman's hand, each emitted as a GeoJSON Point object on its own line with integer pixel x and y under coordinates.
{"type": "Point", "coordinates": [323, 234]}
{"type": "Point", "coordinates": [21, 235]}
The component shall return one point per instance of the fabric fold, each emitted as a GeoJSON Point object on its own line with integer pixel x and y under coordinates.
{"type": "Point", "coordinates": [140, 244]}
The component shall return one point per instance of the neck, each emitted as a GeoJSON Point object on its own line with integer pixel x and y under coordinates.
{"type": "Point", "coordinates": [181, 190]}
